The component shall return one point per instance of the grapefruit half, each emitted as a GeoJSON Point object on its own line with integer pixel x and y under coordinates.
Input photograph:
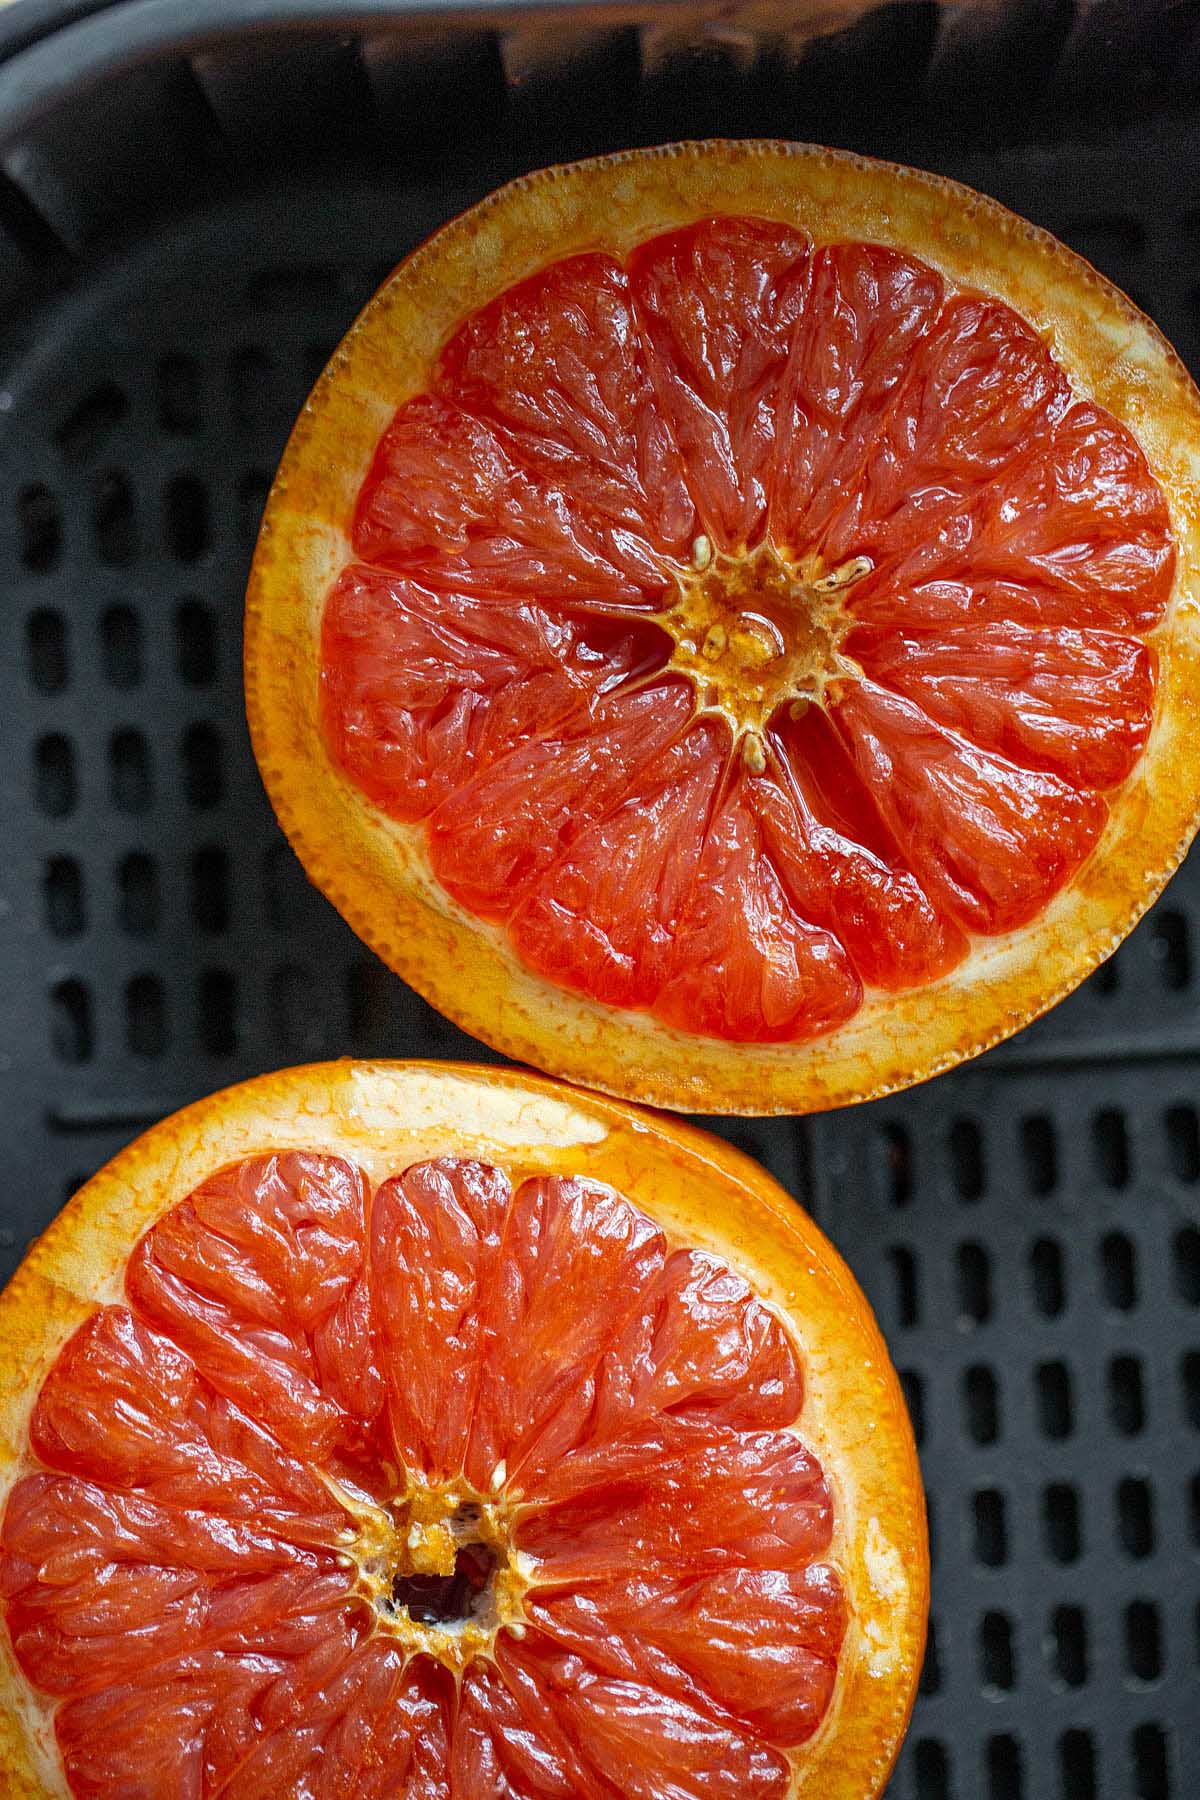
{"type": "Point", "coordinates": [386, 1429]}
{"type": "Point", "coordinates": [725, 624]}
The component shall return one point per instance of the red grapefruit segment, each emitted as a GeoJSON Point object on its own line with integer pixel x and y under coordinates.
{"type": "Point", "coordinates": [422, 689]}
{"type": "Point", "coordinates": [677, 1497]}
{"type": "Point", "coordinates": [746, 965]}
{"type": "Point", "coordinates": [848, 876]}
{"type": "Point", "coordinates": [978, 396]}
{"type": "Point", "coordinates": [1077, 535]}
{"type": "Point", "coordinates": [716, 306]}
{"type": "Point", "coordinates": [260, 1279]}
{"type": "Point", "coordinates": [448, 501]}
{"type": "Point", "coordinates": [698, 1346]}
{"type": "Point", "coordinates": [867, 309]}
{"type": "Point", "coordinates": [435, 1247]}
{"type": "Point", "coordinates": [986, 838]}
{"type": "Point", "coordinates": [636, 1742]}
{"type": "Point", "coordinates": [557, 362]}
{"type": "Point", "coordinates": [502, 830]}
{"type": "Point", "coordinates": [374, 1724]}
{"type": "Point", "coordinates": [500, 1748]}
{"type": "Point", "coordinates": [125, 1406]}
{"type": "Point", "coordinates": [574, 1257]}
{"type": "Point", "coordinates": [603, 918]}
{"type": "Point", "coordinates": [760, 1646]}
{"type": "Point", "coordinates": [1076, 703]}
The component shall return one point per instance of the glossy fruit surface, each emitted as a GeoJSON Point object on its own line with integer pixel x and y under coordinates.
{"type": "Point", "coordinates": [749, 641]}
{"type": "Point", "coordinates": [401, 1428]}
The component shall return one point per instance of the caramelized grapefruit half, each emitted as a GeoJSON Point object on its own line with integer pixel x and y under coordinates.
{"type": "Point", "coordinates": [725, 624]}
{"type": "Point", "coordinates": [389, 1428]}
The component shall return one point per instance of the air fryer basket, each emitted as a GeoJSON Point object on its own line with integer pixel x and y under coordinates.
{"type": "Point", "coordinates": [195, 199]}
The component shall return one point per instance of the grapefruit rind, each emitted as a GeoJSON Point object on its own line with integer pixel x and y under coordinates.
{"type": "Point", "coordinates": [377, 871]}
{"type": "Point", "coordinates": [386, 1116]}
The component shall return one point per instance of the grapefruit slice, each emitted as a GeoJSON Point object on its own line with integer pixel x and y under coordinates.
{"type": "Point", "coordinates": [404, 1429]}
{"type": "Point", "coordinates": [725, 624]}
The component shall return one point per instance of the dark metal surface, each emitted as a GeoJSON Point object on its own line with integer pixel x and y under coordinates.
{"type": "Point", "coordinates": [180, 247]}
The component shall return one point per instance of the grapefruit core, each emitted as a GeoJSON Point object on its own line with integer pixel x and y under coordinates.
{"type": "Point", "coordinates": [725, 628]}
{"type": "Point", "coordinates": [405, 1428]}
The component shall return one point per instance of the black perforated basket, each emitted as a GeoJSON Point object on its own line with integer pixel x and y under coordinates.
{"type": "Point", "coordinates": [195, 199]}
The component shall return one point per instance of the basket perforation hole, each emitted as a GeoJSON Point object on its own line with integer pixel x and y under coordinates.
{"type": "Point", "coordinates": [1061, 1527]}
{"type": "Point", "coordinates": [177, 384]}
{"type": "Point", "coordinates": [86, 428]}
{"type": "Point", "coordinates": [931, 1667]}
{"type": "Point", "coordinates": [195, 643]}
{"type": "Point", "coordinates": [1171, 950]}
{"type": "Point", "coordinates": [1039, 1153]}
{"type": "Point", "coordinates": [1186, 1258]}
{"type": "Point", "coordinates": [1048, 1277]}
{"type": "Point", "coordinates": [130, 781]}
{"type": "Point", "coordinates": [1055, 1400]}
{"type": "Point", "coordinates": [291, 1006]}
{"type": "Point", "coordinates": [1189, 1374]}
{"type": "Point", "coordinates": [316, 355]}
{"type": "Point", "coordinates": [71, 1034]}
{"type": "Point", "coordinates": [210, 888]}
{"type": "Point", "coordinates": [1118, 1271]}
{"type": "Point", "coordinates": [1106, 238]}
{"type": "Point", "coordinates": [217, 1012]}
{"type": "Point", "coordinates": [55, 789]}
{"type": "Point", "coordinates": [62, 897]}
{"type": "Point", "coordinates": [139, 901]}
{"type": "Point", "coordinates": [185, 518]}
{"type": "Point", "coordinates": [903, 1268]}
{"type": "Point", "coordinates": [46, 650]}
{"type": "Point", "coordinates": [990, 1528]}
{"type": "Point", "coordinates": [252, 492]}
{"type": "Point", "coordinates": [145, 1016]}
{"type": "Point", "coordinates": [1183, 1142]}
{"type": "Point", "coordinates": [981, 1404]}
{"type": "Point", "coordinates": [1111, 1143]}
{"type": "Point", "coordinates": [369, 999]}
{"type": "Point", "coordinates": [203, 777]}
{"type": "Point", "coordinates": [1126, 1395]}
{"type": "Point", "coordinates": [1151, 1777]}
{"type": "Point", "coordinates": [114, 519]}
{"type": "Point", "coordinates": [1005, 1777]}
{"type": "Point", "coordinates": [996, 1662]}
{"type": "Point", "coordinates": [966, 1158]}
{"type": "Point", "coordinates": [39, 527]}
{"type": "Point", "coordinates": [974, 1272]}
{"type": "Point", "coordinates": [914, 1395]}
{"type": "Point", "coordinates": [932, 1768]}
{"type": "Point", "coordinates": [252, 385]}
{"type": "Point", "coordinates": [121, 646]}
{"type": "Point", "coordinates": [897, 1164]}
{"type": "Point", "coordinates": [1077, 1765]}
{"type": "Point", "coordinates": [1106, 979]}
{"type": "Point", "coordinates": [1069, 1645]}
{"type": "Point", "coordinates": [1135, 1516]}
{"type": "Point", "coordinates": [1143, 1640]}
{"type": "Point", "coordinates": [288, 892]}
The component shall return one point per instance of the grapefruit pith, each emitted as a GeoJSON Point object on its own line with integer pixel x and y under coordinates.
{"type": "Point", "coordinates": [393, 1428]}
{"type": "Point", "coordinates": [725, 628]}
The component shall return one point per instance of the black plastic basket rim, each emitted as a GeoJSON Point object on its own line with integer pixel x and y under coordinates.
{"type": "Point", "coordinates": [65, 46]}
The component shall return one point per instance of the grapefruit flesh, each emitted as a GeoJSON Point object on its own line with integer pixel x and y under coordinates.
{"type": "Point", "coordinates": [446, 1484]}
{"type": "Point", "coordinates": [748, 624]}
